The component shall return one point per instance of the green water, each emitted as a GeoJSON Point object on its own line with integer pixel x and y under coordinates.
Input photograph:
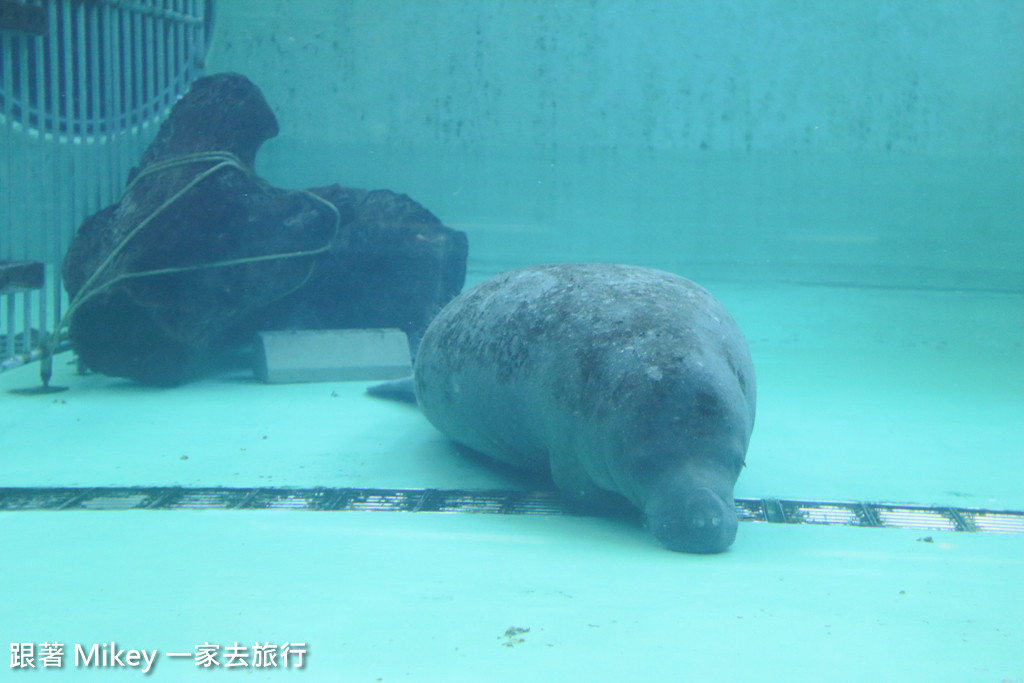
{"type": "Point", "coordinates": [874, 143]}
{"type": "Point", "coordinates": [847, 177]}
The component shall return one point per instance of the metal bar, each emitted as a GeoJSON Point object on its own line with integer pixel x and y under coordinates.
{"type": "Point", "coordinates": [136, 73]}
{"type": "Point", "coordinates": [129, 97]}
{"type": "Point", "coordinates": [78, 122]}
{"type": "Point", "coordinates": [773, 511]}
{"type": "Point", "coordinates": [159, 55]}
{"type": "Point", "coordinates": [8, 327]}
{"type": "Point", "coordinates": [78, 51]}
{"type": "Point", "coordinates": [32, 355]}
{"type": "Point", "coordinates": [172, 54]}
{"type": "Point", "coordinates": [192, 36]}
{"type": "Point", "coordinates": [7, 217]}
{"type": "Point", "coordinates": [94, 86]}
{"type": "Point", "coordinates": [115, 127]}
{"type": "Point", "coordinates": [869, 514]}
{"type": "Point", "coordinates": [48, 209]}
{"type": "Point", "coordinates": [58, 176]}
{"type": "Point", "coordinates": [126, 83]}
{"type": "Point", "coordinates": [69, 149]}
{"type": "Point", "coordinates": [26, 190]}
{"type": "Point", "coordinates": [34, 104]}
{"type": "Point", "coordinates": [107, 51]}
{"type": "Point", "coordinates": [150, 69]}
{"type": "Point", "coordinates": [115, 112]}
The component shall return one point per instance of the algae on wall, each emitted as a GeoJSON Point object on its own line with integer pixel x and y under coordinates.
{"type": "Point", "coordinates": [870, 142]}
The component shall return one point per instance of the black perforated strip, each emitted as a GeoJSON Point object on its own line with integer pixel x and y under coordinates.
{"type": "Point", "coordinates": [841, 513]}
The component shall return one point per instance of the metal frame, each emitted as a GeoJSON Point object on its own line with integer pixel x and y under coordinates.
{"type": "Point", "coordinates": [80, 99]}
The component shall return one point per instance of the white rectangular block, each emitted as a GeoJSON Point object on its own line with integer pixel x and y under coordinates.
{"type": "Point", "coordinates": [332, 355]}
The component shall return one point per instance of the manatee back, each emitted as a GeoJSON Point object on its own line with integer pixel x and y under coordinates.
{"type": "Point", "coordinates": [534, 360]}
{"type": "Point", "coordinates": [474, 379]}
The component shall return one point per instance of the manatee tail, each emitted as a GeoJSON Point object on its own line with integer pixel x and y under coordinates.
{"type": "Point", "coordinates": [395, 390]}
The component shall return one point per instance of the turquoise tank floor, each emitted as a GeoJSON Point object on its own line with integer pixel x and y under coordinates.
{"type": "Point", "coordinates": [864, 394]}
{"type": "Point", "coordinates": [430, 597]}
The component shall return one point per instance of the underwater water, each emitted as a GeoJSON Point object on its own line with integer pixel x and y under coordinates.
{"type": "Point", "coordinates": [847, 178]}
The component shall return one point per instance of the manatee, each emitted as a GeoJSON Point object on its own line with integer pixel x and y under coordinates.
{"type": "Point", "coordinates": [624, 383]}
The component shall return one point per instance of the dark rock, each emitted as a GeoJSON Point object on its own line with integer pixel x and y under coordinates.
{"type": "Point", "coordinates": [161, 287]}
{"type": "Point", "coordinates": [399, 267]}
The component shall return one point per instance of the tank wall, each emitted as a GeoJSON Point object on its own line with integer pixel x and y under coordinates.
{"type": "Point", "coordinates": [870, 142]}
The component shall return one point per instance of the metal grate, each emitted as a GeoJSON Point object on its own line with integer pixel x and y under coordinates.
{"type": "Point", "coordinates": [937, 518]}
{"type": "Point", "coordinates": [836, 513]}
{"type": "Point", "coordinates": [82, 86]}
{"type": "Point", "coordinates": [92, 68]}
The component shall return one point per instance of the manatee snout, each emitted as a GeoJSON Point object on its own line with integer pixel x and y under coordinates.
{"type": "Point", "coordinates": [699, 521]}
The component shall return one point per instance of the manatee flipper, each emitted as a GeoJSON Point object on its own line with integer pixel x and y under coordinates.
{"type": "Point", "coordinates": [396, 390]}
